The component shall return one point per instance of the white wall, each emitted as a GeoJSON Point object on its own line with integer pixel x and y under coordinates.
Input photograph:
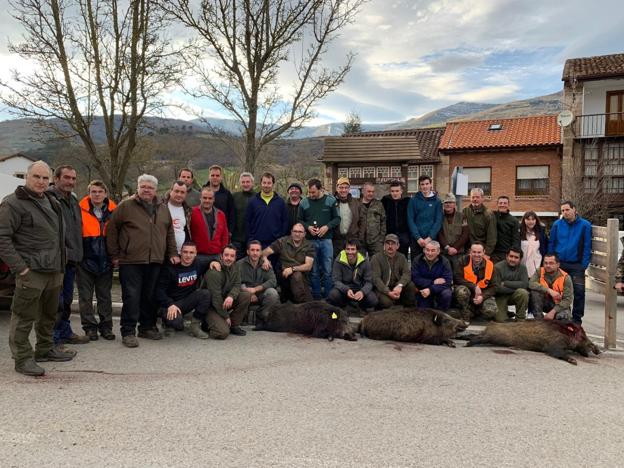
{"type": "Point", "coordinates": [595, 95]}
{"type": "Point", "coordinates": [14, 165]}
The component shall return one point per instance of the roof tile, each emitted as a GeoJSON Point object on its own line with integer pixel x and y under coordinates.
{"type": "Point", "coordinates": [588, 68]}
{"type": "Point", "coordinates": [517, 132]}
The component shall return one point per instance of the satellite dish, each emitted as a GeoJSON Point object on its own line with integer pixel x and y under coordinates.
{"type": "Point", "coordinates": [565, 118]}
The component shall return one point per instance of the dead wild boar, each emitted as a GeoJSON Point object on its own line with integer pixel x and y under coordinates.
{"type": "Point", "coordinates": [427, 326]}
{"type": "Point", "coordinates": [317, 318]}
{"type": "Point", "coordinates": [557, 338]}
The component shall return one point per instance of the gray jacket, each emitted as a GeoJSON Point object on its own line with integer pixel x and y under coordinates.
{"type": "Point", "coordinates": [72, 218]}
{"type": "Point", "coordinates": [30, 237]}
{"type": "Point", "coordinates": [356, 277]}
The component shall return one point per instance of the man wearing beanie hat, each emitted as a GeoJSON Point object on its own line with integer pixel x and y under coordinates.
{"type": "Point", "coordinates": [295, 190]}
{"type": "Point", "coordinates": [351, 220]}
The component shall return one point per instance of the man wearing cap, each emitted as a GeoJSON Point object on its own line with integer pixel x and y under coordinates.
{"type": "Point", "coordinates": [395, 205]}
{"type": "Point", "coordinates": [295, 190]}
{"type": "Point", "coordinates": [391, 275]}
{"type": "Point", "coordinates": [351, 221]}
{"type": "Point", "coordinates": [454, 233]}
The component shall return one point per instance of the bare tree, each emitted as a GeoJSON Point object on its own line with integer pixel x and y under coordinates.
{"type": "Point", "coordinates": [93, 58]}
{"type": "Point", "coordinates": [250, 41]}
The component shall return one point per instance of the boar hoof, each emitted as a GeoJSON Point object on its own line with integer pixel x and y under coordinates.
{"type": "Point", "coordinates": [449, 343]}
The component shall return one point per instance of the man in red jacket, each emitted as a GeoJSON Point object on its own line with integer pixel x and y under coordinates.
{"type": "Point", "coordinates": [209, 228]}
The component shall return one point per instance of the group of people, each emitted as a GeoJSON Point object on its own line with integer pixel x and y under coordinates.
{"type": "Point", "coordinates": [210, 260]}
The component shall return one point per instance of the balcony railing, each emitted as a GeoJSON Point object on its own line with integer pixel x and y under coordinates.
{"type": "Point", "coordinates": [599, 125]}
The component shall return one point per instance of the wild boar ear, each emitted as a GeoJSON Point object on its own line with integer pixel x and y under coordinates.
{"type": "Point", "coordinates": [437, 319]}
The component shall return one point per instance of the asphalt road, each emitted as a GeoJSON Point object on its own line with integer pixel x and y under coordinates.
{"type": "Point", "coordinates": [288, 401]}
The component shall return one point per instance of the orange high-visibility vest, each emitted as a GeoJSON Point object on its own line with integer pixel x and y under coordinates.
{"type": "Point", "coordinates": [557, 284]}
{"type": "Point", "coordinates": [469, 275]}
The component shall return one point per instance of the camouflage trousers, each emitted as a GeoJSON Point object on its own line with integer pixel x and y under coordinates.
{"type": "Point", "coordinates": [487, 309]}
{"type": "Point", "coordinates": [543, 303]}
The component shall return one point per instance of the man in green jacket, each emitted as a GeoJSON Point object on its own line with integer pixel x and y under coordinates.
{"type": "Point", "coordinates": [552, 290]}
{"type": "Point", "coordinates": [481, 222]}
{"type": "Point", "coordinates": [257, 281]}
{"type": "Point", "coordinates": [32, 244]}
{"type": "Point", "coordinates": [512, 285]}
{"type": "Point", "coordinates": [391, 275]}
{"type": "Point", "coordinates": [229, 303]}
{"type": "Point", "coordinates": [507, 230]}
{"type": "Point", "coordinates": [374, 216]}
{"type": "Point", "coordinates": [320, 216]}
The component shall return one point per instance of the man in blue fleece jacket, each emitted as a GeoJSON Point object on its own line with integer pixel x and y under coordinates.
{"type": "Point", "coordinates": [424, 216]}
{"type": "Point", "coordinates": [570, 239]}
{"type": "Point", "coordinates": [266, 216]}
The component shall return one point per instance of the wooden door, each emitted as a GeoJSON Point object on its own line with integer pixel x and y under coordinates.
{"type": "Point", "coordinates": [615, 113]}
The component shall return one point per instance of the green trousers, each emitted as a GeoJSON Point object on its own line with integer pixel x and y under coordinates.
{"type": "Point", "coordinates": [519, 298]}
{"type": "Point", "coordinates": [35, 301]}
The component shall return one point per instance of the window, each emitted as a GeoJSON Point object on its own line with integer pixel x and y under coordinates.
{"type": "Point", "coordinates": [368, 172]}
{"type": "Point", "coordinates": [343, 172]}
{"type": "Point", "coordinates": [479, 177]}
{"type": "Point", "coordinates": [495, 126]}
{"type": "Point", "coordinates": [613, 154]}
{"type": "Point", "coordinates": [615, 185]}
{"type": "Point", "coordinates": [395, 171]}
{"type": "Point", "coordinates": [414, 172]}
{"type": "Point", "coordinates": [426, 169]}
{"type": "Point", "coordinates": [355, 173]}
{"type": "Point", "coordinates": [532, 180]}
{"type": "Point", "coordinates": [383, 171]}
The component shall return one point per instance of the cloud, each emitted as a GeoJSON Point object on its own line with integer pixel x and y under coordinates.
{"type": "Point", "coordinates": [417, 55]}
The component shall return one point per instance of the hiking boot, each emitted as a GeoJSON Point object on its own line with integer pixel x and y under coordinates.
{"type": "Point", "coordinates": [77, 339]}
{"type": "Point", "coordinates": [150, 334]}
{"type": "Point", "coordinates": [92, 334]}
{"type": "Point", "coordinates": [55, 355]}
{"type": "Point", "coordinates": [130, 341]}
{"type": "Point", "coordinates": [29, 367]}
{"type": "Point", "coordinates": [238, 331]}
{"type": "Point", "coordinates": [107, 335]}
{"type": "Point", "coordinates": [61, 347]}
{"type": "Point", "coordinates": [196, 331]}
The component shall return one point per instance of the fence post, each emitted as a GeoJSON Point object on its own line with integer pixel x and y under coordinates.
{"type": "Point", "coordinates": [610, 292]}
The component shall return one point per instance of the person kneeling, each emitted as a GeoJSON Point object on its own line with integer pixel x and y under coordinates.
{"type": "Point", "coordinates": [178, 294]}
{"type": "Point", "coordinates": [433, 276]}
{"type": "Point", "coordinates": [552, 291]}
{"type": "Point", "coordinates": [351, 274]}
{"type": "Point", "coordinates": [391, 276]}
{"type": "Point", "coordinates": [229, 303]}
{"type": "Point", "coordinates": [475, 286]}
{"type": "Point", "coordinates": [512, 284]}
{"type": "Point", "coordinates": [257, 281]}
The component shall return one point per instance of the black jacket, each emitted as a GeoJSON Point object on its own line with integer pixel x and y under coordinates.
{"type": "Point", "coordinates": [396, 214]}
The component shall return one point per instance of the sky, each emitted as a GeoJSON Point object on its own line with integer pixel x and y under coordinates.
{"type": "Point", "coordinates": [416, 56]}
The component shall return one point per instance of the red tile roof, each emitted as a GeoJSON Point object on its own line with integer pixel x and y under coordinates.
{"type": "Point", "coordinates": [518, 132]}
{"type": "Point", "coordinates": [592, 68]}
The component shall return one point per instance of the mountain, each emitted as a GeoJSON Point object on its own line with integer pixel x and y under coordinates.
{"type": "Point", "coordinates": [22, 135]}
{"type": "Point", "coordinates": [439, 117]}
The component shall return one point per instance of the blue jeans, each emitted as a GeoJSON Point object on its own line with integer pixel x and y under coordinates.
{"type": "Point", "coordinates": [577, 273]}
{"type": "Point", "coordinates": [62, 328]}
{"type": "Point", "coordinates": [322, 268]}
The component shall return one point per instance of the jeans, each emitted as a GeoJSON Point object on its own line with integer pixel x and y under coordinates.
{"type": "Point", "coordinates": [138, 282]}
{"type": "Point", "coordinates": [62, 327]}
{"type": "Point", "coordinates": [577, 274]}
{"type": "Point", "coordinates": [441, 300]}
{"type": "Point", "coordinates": [322, 267]}
{"type": "Point", "coordinates": [197, 302]}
